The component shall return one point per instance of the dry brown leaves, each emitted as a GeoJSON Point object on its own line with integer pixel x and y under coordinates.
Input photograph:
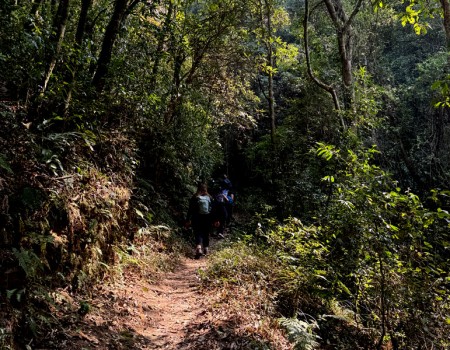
{"type": "Point", "coordinates": [174, 313]}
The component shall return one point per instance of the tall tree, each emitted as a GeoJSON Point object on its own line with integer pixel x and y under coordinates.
{"type": "Point", "coordinates": [121, 9]}
{"type": "Point", "coordinates": [56, 40]}
{"type": "Point", "coordinates": [328, 88]}
{"type": "Point", "coordinates": [344, 33]}
{"type": "Point", "coordinates": [269, 17]}
{"type": "Point", "coordinates": [200, 31]}
{"type": "Point", "coordinates": [79, 36]}
{"type": "Point", "coordinates": [266, 14]}
{"type": "Point", "coordinates": [163, 32]}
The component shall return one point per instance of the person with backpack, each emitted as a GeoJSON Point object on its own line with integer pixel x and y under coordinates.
{"type": "Point", "coordinates": [229, 207]}
{"type": "Point", "coordinates": [228, 195]}
{"type": "Point", "coordinates": [220, 212]}
{"type": "Point", "coordinates": [199, 216]}
{"type": "Point", "coordinates": [226, 183]}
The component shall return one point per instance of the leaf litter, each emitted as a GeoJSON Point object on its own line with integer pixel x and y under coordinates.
{"type": "Point", "coordinates": [175, 312]}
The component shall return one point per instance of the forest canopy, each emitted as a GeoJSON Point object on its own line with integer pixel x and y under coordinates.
{"type": "Point", "coordinates": [331, 117]}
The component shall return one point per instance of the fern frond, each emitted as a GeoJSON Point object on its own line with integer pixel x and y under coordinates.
{"type": "Point", "coordinates": [300, 333]}
{"type": "Point", "coordinates": [28, 261]}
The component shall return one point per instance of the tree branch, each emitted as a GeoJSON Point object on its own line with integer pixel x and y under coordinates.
{"type": "Point", "coordinates": [321, 84]}
{"type": "Point", "coordinates": [331, 10]}
{"type": "Point", "coordinates": [348, 23]}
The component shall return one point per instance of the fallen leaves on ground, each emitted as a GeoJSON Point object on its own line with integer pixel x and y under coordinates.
{"type": "Point", "coordinates": [173, 313]}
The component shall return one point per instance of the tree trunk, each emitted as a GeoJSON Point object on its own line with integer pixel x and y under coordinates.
{"type": "Point", "coordinates": [322, 85]}
{"type": "Point", "coordinates": [270, 62]}
{"type": "Point", "coordinates": [81, 28]}
{"type": "Point", "coordinates": [79, 36]}
{"type": "Point", "coordinates": [179, 57]}
{"type": "Point", "coordinates": [160, 46]}
{"type": "Point", "coordinates": [383, 306]}
{"type": "Point", "coordinates": [446, 13]}
{"type": "Point", "coordinates": [176, 97]}
{"type": "Point", "coordinates": [59, 24]}
{"type": "Point", "coordinates": [265, 14]}
{"type": "Point", "coordinates": [344, 32]}
{"type": "Point", "coordinates": [111, 33]}
{"type": "Point", "coordinates": [345, 44]}
{"type": "Point", "coordinates": [198, 51]}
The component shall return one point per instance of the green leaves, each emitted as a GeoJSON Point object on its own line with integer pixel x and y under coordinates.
{"type": "Point", "coordinates": [442, 88]}
{"type": "Point", "coordinates": [382, 237]}
{"type": "Point", "coordinates": [4, 164]}
{"type": "Point", "coordinates": [328, 178]}
{"type": "Point", "coordinates": [326, 151]}
{"type": "Point", "coordinates": [410, 16]}
{"type": "Point", "coordinates": [300, 333]}
{"type": "Point", "coordinates": [29, 262]}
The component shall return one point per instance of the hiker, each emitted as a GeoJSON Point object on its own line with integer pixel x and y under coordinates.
{"type": "Point", "coordinates": [227, 192]}
{"type": "Point", "coordinates": [220, 212]}
{"type": "Point", "coordinates": [229, 206]}
{"type": "Point", "coordinates": [199, 216]}
{"type": "Point", "coordinates": [226, 183]}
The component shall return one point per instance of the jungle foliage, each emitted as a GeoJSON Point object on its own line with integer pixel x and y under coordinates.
{"type": "Point", "coordinates": [330, 117]}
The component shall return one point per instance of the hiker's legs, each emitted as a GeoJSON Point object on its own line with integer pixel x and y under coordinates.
{"type": "Point", "coordinates": [206, 239]}
{"type": "Point", "coordinates": [221, 227]}
{"type": "Point", "coordinates": [222, 220]}
{"type": "Point", "coordinates": [202, 236]}
{"type": "Point", "coordinates": [198, 242]}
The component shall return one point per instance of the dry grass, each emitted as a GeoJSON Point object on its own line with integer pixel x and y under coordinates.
{"type": "Point", "coordinates": [239, 280]}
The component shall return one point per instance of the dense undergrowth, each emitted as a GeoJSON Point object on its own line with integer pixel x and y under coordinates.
{"type": "Point", "coordinates": [79, 214]}
{"type": "Point", "coordinates": [111, 111]}
{"type": "Point", "coordinates": [70, 218]}
{"type": "Point", "coordinates": [286, 273]}
{"type": "Point", "coordinates": [369, 273]}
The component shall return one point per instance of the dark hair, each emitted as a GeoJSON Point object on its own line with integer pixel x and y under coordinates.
{"type": "Point", "coordinates": [202, 188]}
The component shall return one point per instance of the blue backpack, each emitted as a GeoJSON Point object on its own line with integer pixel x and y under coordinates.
{"type": "Point", "coordinates": [204, 205]}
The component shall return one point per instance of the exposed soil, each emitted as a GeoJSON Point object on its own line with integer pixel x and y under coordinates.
{"type": "Point", "coordinates": [173, 313]}
{"type": "Point", "coordinates": [137, 314]}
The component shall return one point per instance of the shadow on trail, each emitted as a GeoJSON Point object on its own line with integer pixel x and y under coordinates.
{"type": "Point", "coordinates": [171, 314]}
{"type": "Point", "coordinates": [199, 336]}
{"type": "Point", "coordinates": [223, 336]}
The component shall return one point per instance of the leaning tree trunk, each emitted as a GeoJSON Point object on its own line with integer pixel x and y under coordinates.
{"type": "Point", "coordinates": [328, 88]}
{"type": "Point", "coordinates": [111, 33]}
{"type": "Point", "coordinates": [59, 24]}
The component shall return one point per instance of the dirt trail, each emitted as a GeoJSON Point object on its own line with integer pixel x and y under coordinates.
{"type": "Point", "coordinates": [137, 314]}
{"type": "Point", "coordinates": [180, 309]}
{"type": "Point", "coordinates": [173, 313]}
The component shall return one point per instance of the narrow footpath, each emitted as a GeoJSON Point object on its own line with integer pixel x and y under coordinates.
{"type": "Point", "coordinates": [174, 313]}
{"type": "Point", "coordinates": [179, 317]}
{"type": "Point", "coordinates": [138, 314]}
